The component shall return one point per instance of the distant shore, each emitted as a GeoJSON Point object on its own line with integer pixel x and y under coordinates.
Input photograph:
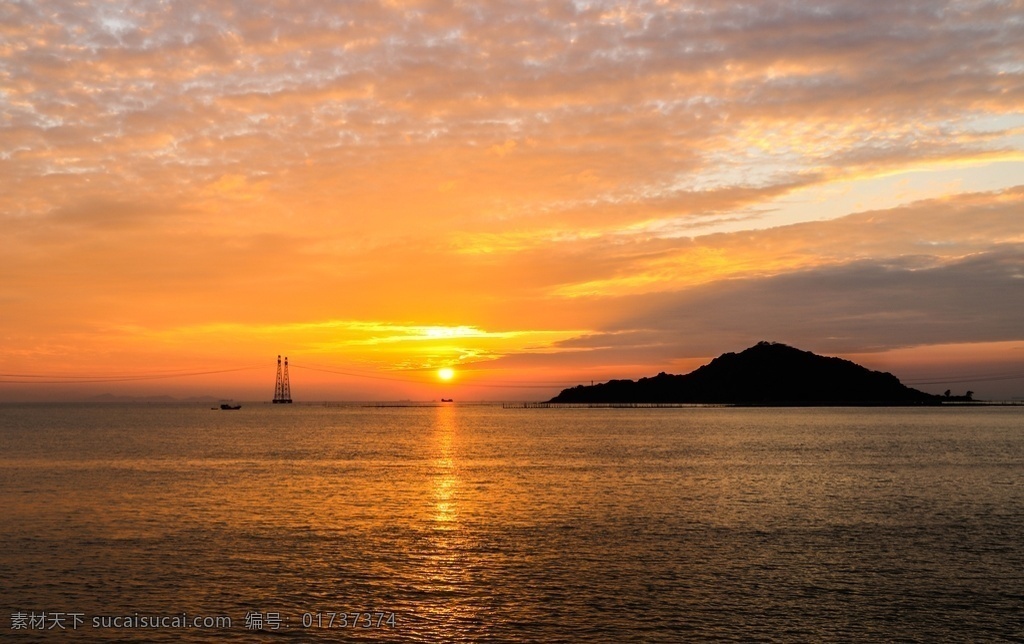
{"type": "Point", "coordinates": [611, 405]}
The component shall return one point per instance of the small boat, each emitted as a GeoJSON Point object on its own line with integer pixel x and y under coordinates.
{"type": "Point", "coordinates": [447, 400]}
{"type": "Point", "coordinates": [226, 406]}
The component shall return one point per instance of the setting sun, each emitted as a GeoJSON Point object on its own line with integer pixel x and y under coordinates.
{"type": "Point", "coordinates": [446, 374]}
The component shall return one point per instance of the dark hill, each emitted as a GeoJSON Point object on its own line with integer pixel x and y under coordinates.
{"type": "Point", "coordinates": [767, 373]}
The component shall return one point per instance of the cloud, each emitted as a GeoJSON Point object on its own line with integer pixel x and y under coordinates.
{"type": "Point", "coordinates": [640, 104]}
{"type": "Point", "coordinates": [859, 307]}
{"type": "Point", "coordinates": [618, 261]}
{"type": "Point", "coordinates": [933, 272]}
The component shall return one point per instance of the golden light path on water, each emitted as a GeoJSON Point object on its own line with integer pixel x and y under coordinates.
{"type": "Point", "coordinates": [446, 476]}
{"type": "Point", "coordinates": [445, 573]}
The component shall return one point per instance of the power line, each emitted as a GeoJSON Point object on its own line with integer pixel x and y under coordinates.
{"type": "Point", "coordinates": [73, 379]}
{"type": "Point", "coordinates": [964, 379]}
{"type": "Point", "coordinates": [356, 374]}
{"type": "Point", "coordinates": [62, 379]}
{"type": "Point", "coordinates": [86, 379]}
{"type": "Point", "coordinates": [420, 381]}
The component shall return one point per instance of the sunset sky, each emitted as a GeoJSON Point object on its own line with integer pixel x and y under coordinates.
{"type": "Point", "coordinates": [535, 193]}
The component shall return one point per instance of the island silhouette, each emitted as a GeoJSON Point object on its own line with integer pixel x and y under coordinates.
{"type": "Point", "coordinates": [768, 373]}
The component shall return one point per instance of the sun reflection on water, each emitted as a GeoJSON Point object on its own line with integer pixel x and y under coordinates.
{"type": "Point", "coordinates": [445, 481]}
{"type": "Point", "coordinates": [444, 569]}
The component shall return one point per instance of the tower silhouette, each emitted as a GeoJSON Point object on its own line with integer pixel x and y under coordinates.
{"type": "Point", "coordinates": [283, 388]}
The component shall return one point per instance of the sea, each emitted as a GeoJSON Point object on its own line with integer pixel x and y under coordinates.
{"type": "Point", "coordinates": [481, 523]}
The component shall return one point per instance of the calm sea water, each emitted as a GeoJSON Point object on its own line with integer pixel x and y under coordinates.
{"type": "Point", "coordinates": [477, 523]}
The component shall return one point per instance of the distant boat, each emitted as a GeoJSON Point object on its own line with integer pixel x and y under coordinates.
{"type": "Point", "coordinates": [447, 400]}
{"type": "Point", "coordinates": [226, 406]}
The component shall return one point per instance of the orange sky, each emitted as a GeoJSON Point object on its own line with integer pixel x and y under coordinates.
{"type": "Point", "coordinates": [535, 193]}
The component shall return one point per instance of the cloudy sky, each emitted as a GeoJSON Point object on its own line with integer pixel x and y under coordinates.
{"type": "Point", "coordinates": [537, 193]}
